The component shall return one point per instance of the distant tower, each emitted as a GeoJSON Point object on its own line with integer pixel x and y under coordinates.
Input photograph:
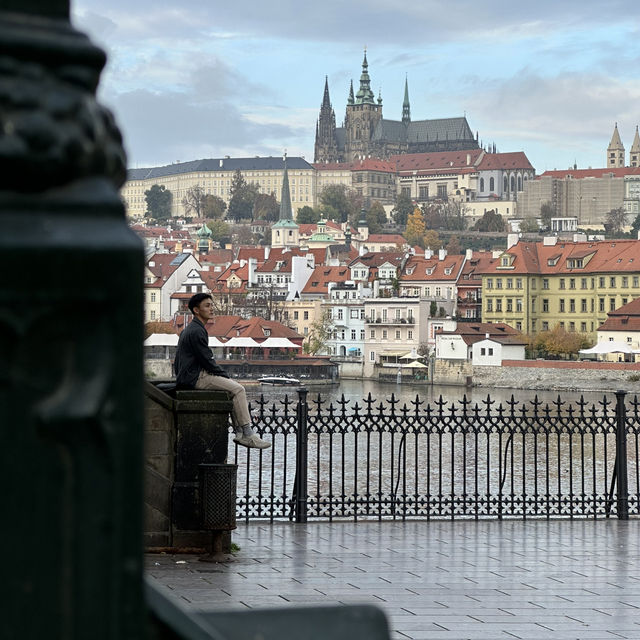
{"type": "Point", "coordinates": [204, 238]}
{"type": "Point", "coordinates": [363, 226]}
{"type": "Point", "coordinates": [326, 147]}
{"type": "Point", "coordinates": [285, 232]}
{"type": "Point", "coordinates": [362, 117]}
{"type": "Point", "coordinates": [406, 107]}
{"type": "Point", "coordinates": [615, 151]}
{"type": "Point", "coordinates": [634, 154]}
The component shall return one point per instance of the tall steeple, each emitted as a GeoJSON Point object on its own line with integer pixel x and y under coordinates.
{"type": "Point", "coordinates": [406, 107]}
{"type": "Point", "coordinates": [615, 150]}
{"type": "Point", "coordinates": [634, 154]}
{"type": "Point", "coordinates": [326, 146]}
{"type": "Point", "coordinates": [285, 232]}
{"type": "Point", "coordinates": [351, 99]}
{"type": "Point", "coordinates": [285, 196]}
{"type": "Point", "coordinates": [365, 95]}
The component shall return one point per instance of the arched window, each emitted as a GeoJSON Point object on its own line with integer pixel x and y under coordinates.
{"type": "Point", "coordinates": [481, 184]}
{"type": "Point", "coordinates": [492, 185]}
{"type": "Point", "coordinates": [519, 183]}
{"type": "Point", "coordinates": [505, 186]}
{"type": "Point", "coordinates": [513, 183]}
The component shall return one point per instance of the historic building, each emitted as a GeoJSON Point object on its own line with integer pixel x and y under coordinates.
{"type": "Point", "coordinates": [365, 133]}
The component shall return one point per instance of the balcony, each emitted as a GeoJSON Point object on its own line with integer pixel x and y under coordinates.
{"type": "Point", "coordinates": [390, 321]}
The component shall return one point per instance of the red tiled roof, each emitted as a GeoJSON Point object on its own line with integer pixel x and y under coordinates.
{"type": "Point", "coordinates": [386, 238]}
{"type": "Point", "coordinates": [417, 266]}
{"type": "Point", "coordinates": [578, 174]}
{"type": "Point", "coordinates": [472, 332]}
{"type": "Point", "coordinates": [322, 276]}
{"type": "Point", "coordinates": [436, 160]}
{"type": "Point", "coordinates": [377, 258]}
{"type": "Point", "coordinates": [513, 160]}
{"type": "Point", "coordinates": [372, 164]}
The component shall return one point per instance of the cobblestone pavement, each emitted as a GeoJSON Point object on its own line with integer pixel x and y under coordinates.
{"type": "Point", "coordinates": [457, 580]}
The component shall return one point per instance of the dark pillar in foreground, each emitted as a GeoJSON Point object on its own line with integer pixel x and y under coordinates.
{"type": "Point", "coordinates": [70, 342]}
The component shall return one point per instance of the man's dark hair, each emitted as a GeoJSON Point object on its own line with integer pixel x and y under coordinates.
{"type": "Point", "coordinates": [197, 299]}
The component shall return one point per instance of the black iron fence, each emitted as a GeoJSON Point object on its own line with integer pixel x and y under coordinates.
{"type": "Point", "coordinates": [377, 459]}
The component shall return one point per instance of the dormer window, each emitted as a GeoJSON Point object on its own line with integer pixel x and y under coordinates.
{"type": "Point", "coordinates": [430, 270]}
{"type": "Point", "coordinates": [553, 260]}
{"type": "Point", "coordinates": [267, 332]}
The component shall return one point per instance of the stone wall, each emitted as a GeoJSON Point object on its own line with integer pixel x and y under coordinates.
{"type": "Point", "coordinates": [453, 372]}
{"type": "Point", "coordinates": [559, 375]}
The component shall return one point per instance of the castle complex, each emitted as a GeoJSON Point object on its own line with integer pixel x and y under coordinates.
{"type": "Point", "coordinates": [365, 133]}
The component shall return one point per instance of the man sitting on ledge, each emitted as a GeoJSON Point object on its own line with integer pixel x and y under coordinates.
{"type": "Point", "coordinates": [196, 369]}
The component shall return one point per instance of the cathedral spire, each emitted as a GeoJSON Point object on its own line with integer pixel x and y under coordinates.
{"type": "Point", "coordinates": [615, 150]}
{"type": "Point", "coordinates": [351, 99]}
{"type": "Point", "coordinates": [634, 154]}
{"type": "Point", "coordinates": [406, 107]}
{"type": "Point", "coordinates": [285, 198]}
{"type": "Point", "coordinates": [365, 95]}
{"type": "Point", "coordinates": [326, 102]}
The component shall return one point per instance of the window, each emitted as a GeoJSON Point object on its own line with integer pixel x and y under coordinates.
{"type": "Point", "coordinates": [153, 315]}
{"type": "Point", "coordinates": [636, 282]}
{"type": "Point", "coordinates": [612, 304]}
{"type": "Point", "coordinates": [545, 283]}
{"type": "Point", "coordinates": [153, 297]}
{"type": "Point", "coordinates": [509, 305]}
{"type": "Point", "coordinates": [498, 283]}
{"type": "Point", "coordinates": [372, 356]}
{"type": "Point", "coordinates": [483, 351]}
{"type": "Point", "coordinates": [361, 334]}
{"type": "Point", "coordinates": [545, 325]}
{"type": "Point", "coordinates": [295, 315]}
{"type": "Point", "coordinates": [372, 334]}
{"type": "Point", "coordinates": [305, 331]}
{"type": "Point", "coordinates": [397, 314]}
{"type": "Point", "coordinates": [534, 283]}
{"type": "Point", "coordinates": [623, 301]}
{"type": "Point", "coordinates": [625, 281]}
{"type": "Point", "coordinates": [492, 184]}
{"type": "Point", "coordinates": [442, 191]}
{"type": "Point", "coordinates": [583, 283]}
{"type": "Point", "coordinates": [340, 314]}
{"type": "Point", "coordinates": [518, 283]}
{"type": "Point", "coordinates": [572, 327]}
{"type": "Point", "coordinates": [601, 282]}
{"type": "Point", "coordinates": [409, 335]}
{"type": "Point", "coordinates": [561, 325]}
{"type": "Point", "coordinates": [306, 315]}
{"type": "Point", "coordinates": [583, 305]}
{"type": "Point", "coordinates": [353, 334]}
{"type": "Point", "coordinates": [398, 334]}
{"type": "Point", "coordinates": [499, 305]}
{"type": "Point", "coordinates": [509, 283]}
{"type": "Point", "coordinates": [600, 304]}
{"type": "Point", "coordinates": [354, 314]}
{"type": "Point", "coordinates": [533, 305]}
{"type": "Point", "coordinates": [384, 334]}
{"type": "Point", "coordinates": [561, 308]}
{"type": "Point", "coordinates": [519, 326]}
{"type": "Point", "coordinates": [572, 305]}
{"type": "Point", "coordinates": [490, 304]}
{"type": "Point", "coordinates": [519, 305]}
{"type": "Point", "coordinates": [489, 283]}
{"type": "Point", "coordinates": [572, 283]}
{"type": "Point", "coordinates": [583, 327]}
{"type": "Point", "coordinates": [612, 282]}
{"type": "Point", "coordinates": [490, 350]}
{"type": "Point", "coordinates": [562, 284]}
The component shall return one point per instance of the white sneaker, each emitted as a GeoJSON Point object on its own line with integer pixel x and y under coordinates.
{"type": "Point", "coordinates": [252, 442]}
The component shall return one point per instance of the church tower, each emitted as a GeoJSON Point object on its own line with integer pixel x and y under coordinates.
{"type": "Point", "coordinates": [326, 147]}
{"type": "Point", "coordinates": [363, 114]}
{"type": "Point", "coordinates": [615, 151]}
{"type": "Point", "coordinates": [634, 154]}
{"type": "Point", "coordinates": [285, 232]}
{"type": "Point", "coordinates": [406, 107]}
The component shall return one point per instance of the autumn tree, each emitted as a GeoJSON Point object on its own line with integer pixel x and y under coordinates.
{"type": "Point", "coordinates": [431, 240]}
{"type": "Point", "coordinates": [319, 335]}
{"type": "Point", "coordinates": [490, 221]}
{"type": "Point", "coordinates": [158, 199]}
{"type": "Point", "coordinates": [559, 342]}
{"type": "Point", "coordinates": [414, 233]}
{"type": "Point", "coordinates": [193, 201]}
{"type": "Point", "coordinates": [453, 246]}
{"type": "Point", "coordinates": [403, 209]}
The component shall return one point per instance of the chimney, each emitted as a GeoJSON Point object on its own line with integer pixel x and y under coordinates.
{"type": "Point", "coordinates": [487, 336]}
{"type": "Point", "coordinates": [152, 264]}
{"type": "Point", "coordinates": [468, 254]}
{"type": "Point", "coordinates": [221, 163]}
{"type": "Point", "coordinates": [267, 249]}
{"type": "Point", "coordinates": [376, 288]}
{"type": "Point", "coordinates": [442, 254]}
{"type": "Point", "coordinates": [468, 159]}
{"type": "Point", "coordinates": [428, 254]}
{"type": "Point", "coordinates": [512, 240]}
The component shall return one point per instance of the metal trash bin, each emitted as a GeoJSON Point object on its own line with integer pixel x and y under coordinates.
{"type": "Point", "coordinates": [217, 505]}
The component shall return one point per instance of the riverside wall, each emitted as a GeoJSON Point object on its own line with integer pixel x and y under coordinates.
{"type": "Point", "coordinates": [560, 376]}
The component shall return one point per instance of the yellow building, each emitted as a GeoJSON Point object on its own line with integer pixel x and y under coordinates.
{"type": "Point", "coordinates": [299, 315]}
{"type": "Point", "coordinates": [535, 286]}
{"type": "Point", "coordinates": [214, 176]}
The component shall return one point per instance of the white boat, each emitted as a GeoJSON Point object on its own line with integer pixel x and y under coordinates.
{"type": "Point", "coordinates": [278, 380]}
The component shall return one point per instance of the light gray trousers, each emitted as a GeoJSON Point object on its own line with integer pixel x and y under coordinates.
{"type": "Point", "coordinates": [240, 415]}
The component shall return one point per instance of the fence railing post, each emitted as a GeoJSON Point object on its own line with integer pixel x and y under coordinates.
{"type": "Point", "coordinates": [621, 457]}
{"type": "Point", "coordinates": [300, 489]}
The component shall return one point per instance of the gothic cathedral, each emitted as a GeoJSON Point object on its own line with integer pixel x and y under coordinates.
{"type": "Point", "coordinates": [365, 133]}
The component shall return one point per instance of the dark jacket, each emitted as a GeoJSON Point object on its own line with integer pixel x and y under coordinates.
{"type": "Point", "coordinates": [193, 356]}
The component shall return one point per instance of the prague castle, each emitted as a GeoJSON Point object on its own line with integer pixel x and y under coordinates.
{"type": "Point", "coordinates": [365, 133]}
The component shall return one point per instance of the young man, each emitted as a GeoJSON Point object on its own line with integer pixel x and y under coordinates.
{"type": "Point", "coordinates": [196, 369]}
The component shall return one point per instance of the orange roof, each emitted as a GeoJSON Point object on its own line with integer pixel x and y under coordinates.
{"type": "Point", "coordinates": [254, 328]}
{"type": "Point", "coordinates": [578, 174]}
{"type": "Point", "coordinates": [216, 256]}
{"type": "Point", "coordinates": [322, 276]}
{"type": "Point", "coordinates": [372, 164]}
{"type": "Point", "coordinates": [533, 257]}
{"type": "Point", "coordinates": [514, 160]}
{"type": "Point", "coordinates": [388, 238]}
{"type": "Point", "coordinates": [472, 332]}
{"type": "Point", "coordinates": [417, 268]}
{"type": "Point", "coordinates": [436, 160]}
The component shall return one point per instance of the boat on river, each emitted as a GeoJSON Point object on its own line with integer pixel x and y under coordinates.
{"type": "Point", "coordinates": [278, 380]}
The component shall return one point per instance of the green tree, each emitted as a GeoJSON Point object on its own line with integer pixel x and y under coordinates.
{"type": "Point", "coordinates": [266, 207]}
{"type": "Point", "coordinates": [307, 215]}
{"type": "Point", "coordinates": [615, 221]}
{"type": "Point", "coordinates": [403, 209]}
{"type": "Point", "coordinates": [433, 309]}
{"type": "Point", "coordinates": [219, 229]}
{"type": "Point", "coordinates": [529, 225]}
{"type": "Point", "coordinates": [339, 198]}
{"type": "Point", "coordinates": [213, 207]}
{"type": "Point", "coordinates": [193, 202]}
{"type": "Point", "coordinates": [376, 217]}
{"type": "Point", "coordinates": [490, 221]}
{"type": "Point", "coordinates": [158, 200]}
{"type": "Point", "coordinates": [242, 197]}
{"type": "Point", "coordinates": [319, 335]}
{"type": "Point", "coordinates": [546, 213]}
{"type": "Point", "coordinates": [414, 233]}
{"type": "Point", "coordinates": [635, 227]}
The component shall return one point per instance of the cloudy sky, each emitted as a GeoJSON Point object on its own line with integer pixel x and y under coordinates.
{"type": "Point", "coordinates": [194, 79]}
